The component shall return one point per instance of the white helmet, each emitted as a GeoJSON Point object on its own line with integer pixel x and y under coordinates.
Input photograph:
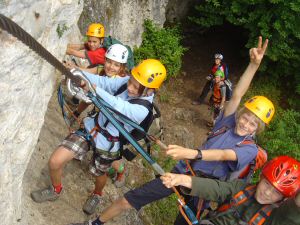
{"type": "Point", "coordinates": [118, 53]}
{"type": "Point", "coordinates": [219, 56]}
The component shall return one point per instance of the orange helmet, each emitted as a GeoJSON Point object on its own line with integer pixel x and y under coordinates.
{"type": "Point", "coordinates": [95, 30]}
{"type": "Point", "coordinates": [151, 73]}
{"type": "Point", "coordinates": [262, 107]}
{"type": "Point", "coordinates": [283, 173]}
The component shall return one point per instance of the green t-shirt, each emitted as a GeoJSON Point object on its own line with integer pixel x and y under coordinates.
{"type": "Point", "coordinates": [286, 214]}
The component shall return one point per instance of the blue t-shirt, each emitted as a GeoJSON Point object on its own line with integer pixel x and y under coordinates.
{"type": "Point", "coordinates": [228, 140]}
{"type": "Point", "coordinates": [105, 88]}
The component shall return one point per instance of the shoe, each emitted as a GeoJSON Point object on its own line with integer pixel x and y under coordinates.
{"type": "Point", "coordinates": [209, 133]}
{"type": "Point", "coordinates": [196, 103]}
{"type": "Point", "coordinates": [84, 223]}
{"type": "Point", "coordinates": [210, 124]}
{"type": "Point", "coordinates": [91, 203]}
{"type": "Point", "coordinates": [47, 194]}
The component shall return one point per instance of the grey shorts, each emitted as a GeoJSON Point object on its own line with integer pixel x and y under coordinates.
{"type": "Point", "coordinates": [101, 161]}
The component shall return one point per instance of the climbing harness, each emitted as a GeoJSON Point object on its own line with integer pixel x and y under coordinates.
{"type": "Point", "coordinates": [241, 198]}
{"type": "Point", "coordinates": [245, 173]}
{"type": "Point", "coordinates": [27, 39]}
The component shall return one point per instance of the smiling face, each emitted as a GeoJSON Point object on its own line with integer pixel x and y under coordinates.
{"type": "Point", "coordinates": [93, 43]}
{"type": "Point", "coordinates": [134, 87]}
{"type": "Point", "coordinates": [246, 124]}
{"type": "Point", "coordinates": [112, 68]}
{"type": "Point", "coordinates": [266, 193]}
{"type": "Point", "coordinates": [218, 62]}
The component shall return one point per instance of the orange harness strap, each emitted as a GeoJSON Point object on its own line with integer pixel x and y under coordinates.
{"type": "Point", "coordinates": [260, 217]}
{"type": "Point", "coordinates": [239, 198]}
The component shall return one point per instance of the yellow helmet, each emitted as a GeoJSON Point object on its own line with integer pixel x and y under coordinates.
{"type": "Point", "coordinates": [262, 107]}
{"type": "Point", "coordinates": [151, 73]}
{"type": "Point", "coordinates": [95, 30]}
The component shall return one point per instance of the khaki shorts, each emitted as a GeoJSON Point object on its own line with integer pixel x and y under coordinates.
{"type": "Point", "coordinates": [101, 161]}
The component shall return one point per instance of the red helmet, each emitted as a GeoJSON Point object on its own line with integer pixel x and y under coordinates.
{"type": "Point", "coordinates": [283, 173]}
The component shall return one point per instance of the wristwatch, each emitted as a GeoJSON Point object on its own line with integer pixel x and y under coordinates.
{"type": "Point", "coordinates": [199, 154]}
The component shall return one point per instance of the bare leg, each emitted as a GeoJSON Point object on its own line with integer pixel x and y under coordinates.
{"type": "Point", "coordinates": [57, 161]}
{"type": "Point", "coordinates": [100, 183]}
{"type": "Point", "coordinates": [115, 209]}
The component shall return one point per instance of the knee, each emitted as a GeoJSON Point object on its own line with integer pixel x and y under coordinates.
{"type": "Point", "coordinates": [55, 162]}
{"type": "Point", "coordinates": [124, 204]}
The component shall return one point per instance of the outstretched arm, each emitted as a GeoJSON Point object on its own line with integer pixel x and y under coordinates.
{"type": "Point", "coordinates": [75, 46]}
{"type": "Point", "coordinates": [256, 56]}
{"type": "Point", "coordinates": [177, 152]}
{"type": "Point", "coordinates": [77, 53]}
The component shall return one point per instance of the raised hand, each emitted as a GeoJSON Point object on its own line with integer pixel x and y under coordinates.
{"type": "Point", "coordinates": [257, 54]}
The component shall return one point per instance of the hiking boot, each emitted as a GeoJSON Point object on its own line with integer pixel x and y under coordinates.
{"type": "Point", "coordinates": [91, 203]}
{"type": "Point", "coordinates": [47, 194]}
{"type": "Point", "coordinates": [210, 124]}
{"type": "Point", "coordinates": [84, 223]}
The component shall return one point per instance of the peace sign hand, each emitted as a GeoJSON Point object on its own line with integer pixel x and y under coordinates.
{"type": "Point", "coordinates": [257, 54]}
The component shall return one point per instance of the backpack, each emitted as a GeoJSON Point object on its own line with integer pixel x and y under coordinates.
{"type": "Point", "coordinates": [108, 41]}
{"type": "Point", "coordinates": [226, 71]}
{"type": "Point", "coordinates": [227, 82]}
{"type": "Point", "coordinates": [154, 113]}
{"type": "Point", "coordinates": [228, 85]}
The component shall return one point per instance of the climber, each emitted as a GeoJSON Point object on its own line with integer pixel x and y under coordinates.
{"type": "Point", "coordinates": [146, 77]}
{"type": "Point", "coordinates": [93, 50]}
{"type": "Point", "coordinates": [217, 100]}
{"type": "Point", "coordinates": [218, 65]}
{"type": "Point", "coordinates": [216, 158]}
{"type": "Point", "coordinates": [114, 67]}
{"type": "Point", "coordinates": [275, 200]}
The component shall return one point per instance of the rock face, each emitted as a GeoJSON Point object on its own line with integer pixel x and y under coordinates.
{"type": "Point", "coordinates": [123, 19]}
{"type": "Point", "coordinates": [27, 81]}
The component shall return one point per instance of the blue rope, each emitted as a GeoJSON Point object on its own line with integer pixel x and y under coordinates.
{"type": "Point", "coordinates": [101, 105]}
{"type": "Point", "coordinates": [61, 102]}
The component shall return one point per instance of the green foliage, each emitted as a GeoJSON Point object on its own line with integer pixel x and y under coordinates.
{"type": "Point", "coordinates": [163, 44]}
{"type": "Point", "coordinates": [277, 20]}
{"type": "Point", "coordinates": [61, 29]}
{"type": "Point", "coordinates": [165, 210]}
{"type": "Point", "coordinates": [282, 136]}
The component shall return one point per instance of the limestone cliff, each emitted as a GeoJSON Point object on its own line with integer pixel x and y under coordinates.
{"type": "Point", "coordinates": [27, 81]}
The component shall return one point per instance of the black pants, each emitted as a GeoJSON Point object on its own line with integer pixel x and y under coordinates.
{"type": "Point", "coordinates": [207, 87]}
